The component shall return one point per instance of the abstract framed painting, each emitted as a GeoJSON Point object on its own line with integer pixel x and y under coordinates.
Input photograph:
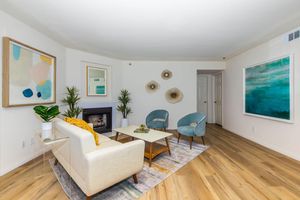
{"type": "Point", "coordinates": [268, 89]}
{"type": "Point", "coordinates": [96, 81]}
{"type": "Point", "coordinates": [29, 75]}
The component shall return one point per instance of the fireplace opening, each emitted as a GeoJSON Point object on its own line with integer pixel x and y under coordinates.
{"type": "Point", "coordinates": [101, 118]}
{"type": "Point", "coordinates": [98, 120]}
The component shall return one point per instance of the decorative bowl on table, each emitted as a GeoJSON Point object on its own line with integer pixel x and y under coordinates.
{"type": "Point", "coordinates": [142, 129]}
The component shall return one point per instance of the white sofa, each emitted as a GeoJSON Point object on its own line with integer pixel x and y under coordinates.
{"type": "Point", "coordinates": [95, 168]}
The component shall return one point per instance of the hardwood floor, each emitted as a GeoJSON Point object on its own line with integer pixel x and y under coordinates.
{"type": "Point", "coordinates": [34, 180]}
{"type": "Point", "coordinates": [232, 168]}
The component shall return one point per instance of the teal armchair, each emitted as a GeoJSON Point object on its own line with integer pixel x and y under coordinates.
{"type": "Point", "coordinates": [158, 119]}
{"type": "Point", "coordinates": [192, 125]}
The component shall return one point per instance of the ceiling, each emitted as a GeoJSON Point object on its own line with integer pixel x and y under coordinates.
{"type": "Point", "coordinates": [158, 29]}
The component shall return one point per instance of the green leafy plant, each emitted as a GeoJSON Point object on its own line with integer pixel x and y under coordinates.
{"type": "Point", "coordinates": [47, 113]}
{"type": "Point", "coordinates": [72, 100]}
{"type": "Point", "coordinates": [124, 100]}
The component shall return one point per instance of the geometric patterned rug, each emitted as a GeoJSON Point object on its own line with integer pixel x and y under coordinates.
{"type": "Point", "coordinates": [162, 166]}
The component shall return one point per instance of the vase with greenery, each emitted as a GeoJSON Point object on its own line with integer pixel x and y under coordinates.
{"type": "Point", "coordinates": [72, 99]}
{"type": "Point", "coordinates": [47, 113]}
{"type": "Point", "coordinates": [124, 99]}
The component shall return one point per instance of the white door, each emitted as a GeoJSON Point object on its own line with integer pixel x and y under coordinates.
{"type": "Point", "coordinates": [218, 98]}
{"type": "Point", "coordinates": [202, 93]}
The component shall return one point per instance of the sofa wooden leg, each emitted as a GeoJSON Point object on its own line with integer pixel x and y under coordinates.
{"type": "Point", "coordinates": [179, 135]}
{"type": "Point", "coordinates": [202, 137]}
{"type": "Point", "coordinates": [88, 197]}
{"type": "Point", "coordinates": [135, 180]}
{"type": "Point", "coordinates": [191, 142]}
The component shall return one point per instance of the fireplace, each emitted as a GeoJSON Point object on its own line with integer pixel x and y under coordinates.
{"type": "Point", "coordinates": [101, 118]}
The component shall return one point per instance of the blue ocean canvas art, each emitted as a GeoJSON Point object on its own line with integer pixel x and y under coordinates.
{"type": "Point", "coordinates": [267, 89]}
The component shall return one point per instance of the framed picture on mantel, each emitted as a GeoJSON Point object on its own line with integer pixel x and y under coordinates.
{"type": "Point", "coordinates": [28, 75]}
{"type": "Point", "coordinates": [96, 81]}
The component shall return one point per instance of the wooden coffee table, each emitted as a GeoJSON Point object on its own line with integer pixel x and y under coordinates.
{"type": "Point", "coordinates": [152, 148]}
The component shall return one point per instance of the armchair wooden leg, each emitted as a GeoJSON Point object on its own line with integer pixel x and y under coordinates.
{"type": "Point", "coordinates": [117, 135]}
{"type": "Point", "coordinates": [88, 197]}
{"type": "Point", "coordinates": [56, 161]}
{"type": "Point", "coordinates": [191, 142]}
{"type": "Point", "coordinates": [202, 137]}
{"type": "Point", "coordinates": [135, 180]}
{"type": "Point", "coordinates": [179, 135]}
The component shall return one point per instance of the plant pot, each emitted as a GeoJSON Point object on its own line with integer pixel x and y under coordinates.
{"type": "Point", "coordinates": [46, 130]}
{"type": "Point", "coordinates": [124, 122]}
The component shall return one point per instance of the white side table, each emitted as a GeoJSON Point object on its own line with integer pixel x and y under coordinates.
{"type": "Point", "coordinates": [56, 141]}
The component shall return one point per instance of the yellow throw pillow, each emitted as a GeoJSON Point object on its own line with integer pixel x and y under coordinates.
{"type": "Point", "coordinates": [82, 124]}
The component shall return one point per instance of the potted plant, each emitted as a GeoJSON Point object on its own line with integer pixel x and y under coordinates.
{"type": "Point", "coordinates": [124, 99]}
{"type": "Point", "coordinates": [47, 114]}
{"type": "Point", "coordinates": [72, 100]}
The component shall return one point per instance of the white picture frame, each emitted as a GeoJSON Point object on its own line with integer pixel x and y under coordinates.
{"type": "Point", "coordinates": [96, 81]}
{"type": "Point", "coordinates": [291, 90]}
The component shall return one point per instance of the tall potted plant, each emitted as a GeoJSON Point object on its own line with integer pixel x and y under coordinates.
{"type": "Point", "coordinates": [46, 114]}
{"type": "Point", "coordinates": [124, 100]}
{"type": "Point", "coordinates": [72, 100]}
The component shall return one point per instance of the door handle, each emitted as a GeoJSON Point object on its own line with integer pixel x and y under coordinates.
{"type": "Point", "coordinates": [215, 101]}
{"type": "Point", "coordinates": [205, 102]}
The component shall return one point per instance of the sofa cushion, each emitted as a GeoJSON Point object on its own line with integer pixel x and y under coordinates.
{"type": "Point", "coordinates": [193, 124]}
{"type": "Point", "coordinates": [103, 138]}
{"type": "Point", "coordinates": [108, 143]}
{"type": "Point", "coordinates": [186, 130]}
{"type": "Point", "coordinates": [84, 125]}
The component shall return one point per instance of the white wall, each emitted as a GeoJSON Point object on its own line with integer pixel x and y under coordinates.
{"type": "Point", "coordinates": [75, 73]}
{"type": "Point", "coordinates": [19, 124]}
{"type": "Point", "coordinates": [76, 76]}
{"type": "Point", "coordinates": [279, 136]}
{"type": "Point", "coordinates": [136, 76]}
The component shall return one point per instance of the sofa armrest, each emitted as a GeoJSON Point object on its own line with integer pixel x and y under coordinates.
{"type": "Point", "coordinates": [113, 164]}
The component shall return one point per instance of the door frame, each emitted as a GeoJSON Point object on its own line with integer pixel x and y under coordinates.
{"type": "Point", "coordinates": [222, 96]}
{"type": "Point", "coordinates": [198, 97]}
{"type": "Point", "coordinates": [212, 73]}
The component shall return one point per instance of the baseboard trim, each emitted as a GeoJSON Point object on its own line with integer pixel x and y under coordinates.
{"type": "Point", "coordinates": [14, 166]}
{"type": "Point", "coordinates": [267, 146]}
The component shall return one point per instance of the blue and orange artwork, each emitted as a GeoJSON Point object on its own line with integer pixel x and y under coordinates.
{"type": "Point", "coordinates": [44, 90]}
{"type": "Point", "coordinates": [267, 89]}
{"type": "Point", "coordinates": [31, 76]}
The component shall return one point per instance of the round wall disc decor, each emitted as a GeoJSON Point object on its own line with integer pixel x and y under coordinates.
{"type": "Point", "coordinates": [166, 74]}
{"type": "Point", "coordinates": [152, 86]}
{"type": "Point", "coordinates": [174, 95]}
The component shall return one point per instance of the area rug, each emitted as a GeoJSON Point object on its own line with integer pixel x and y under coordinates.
{"type": "Point", "coordinates": [162, 167]}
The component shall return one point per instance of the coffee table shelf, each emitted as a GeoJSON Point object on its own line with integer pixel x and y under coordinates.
{"type": "Point", "coordinates": [152, 148]}
{"type": "Point", "coordinates": [156, 149]}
